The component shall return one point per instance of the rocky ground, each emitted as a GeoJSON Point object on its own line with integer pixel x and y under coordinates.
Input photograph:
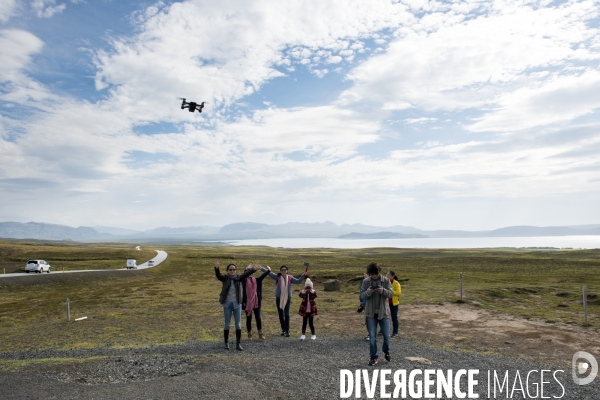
{"type": "Point", "coordinates": [279, 368]}
{"type": "Point", "coordinates": [451, 337]}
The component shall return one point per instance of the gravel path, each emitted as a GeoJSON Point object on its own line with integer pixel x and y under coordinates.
{"type": "Point", "coordinates": [278, 368]}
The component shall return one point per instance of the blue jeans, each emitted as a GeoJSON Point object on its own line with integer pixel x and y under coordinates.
{"type": "Point", "coordinates": [237, 315]}
{"type": "Point", "coordinates": [394, 311]}
{"type": "Point", "coordinates": [384, 326]}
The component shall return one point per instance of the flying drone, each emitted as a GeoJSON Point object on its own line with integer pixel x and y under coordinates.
{"type": "Point", "coordinates": [192, 105]}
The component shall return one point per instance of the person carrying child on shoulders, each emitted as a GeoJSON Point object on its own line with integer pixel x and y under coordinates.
{"type": "Point", "coordinates": [308, 309]}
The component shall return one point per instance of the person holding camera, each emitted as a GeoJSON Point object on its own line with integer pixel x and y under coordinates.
{"type": "Point", "coordinates": [231, 299]}
{"type": "Point", "coordinates": [283, 295]}
{"type": "Point", "coordinates": [376, 290]}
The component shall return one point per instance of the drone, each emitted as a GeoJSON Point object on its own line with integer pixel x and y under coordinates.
{"type": "Point", "coordinates": [192, 105]}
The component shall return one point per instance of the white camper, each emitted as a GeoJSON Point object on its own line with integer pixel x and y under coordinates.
{"type": "Point", "coordinates": [131, 264]}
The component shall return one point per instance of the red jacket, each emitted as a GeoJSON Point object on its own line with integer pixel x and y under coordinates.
{"type": "Point", "coordinates": [306, 297]}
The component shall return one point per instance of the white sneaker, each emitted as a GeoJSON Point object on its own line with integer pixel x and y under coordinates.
{"type": "Point", "coordinates": [302, 337]}
{"type": "Point", "coordinates": [313, 337]}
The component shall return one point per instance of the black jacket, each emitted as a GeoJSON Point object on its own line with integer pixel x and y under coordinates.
{"type": "Point", "coordinates": [226, 279]}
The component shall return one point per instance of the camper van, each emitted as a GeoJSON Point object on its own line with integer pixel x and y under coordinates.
{"type": "Point", "coordinates": [131, 264]}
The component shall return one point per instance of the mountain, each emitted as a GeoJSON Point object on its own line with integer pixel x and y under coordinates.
{"type": "Point", "coordinates": [254, 230]}
{"type": "Point", "coordinates": [115, 231]}
{"type": "Point", "coordinates": [36, 230]}
{"type": "Point", "coordinates": [381, 235]}
{"type": "Point", "coordinates": [166, 231]}
{"type": "Point", "coordinates": [242, 227]}
{"type": "Point", "coordinates": [521, 231]}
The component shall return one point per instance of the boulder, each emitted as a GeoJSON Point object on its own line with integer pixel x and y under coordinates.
{"type": "Point", "coordinates": [333, 285]}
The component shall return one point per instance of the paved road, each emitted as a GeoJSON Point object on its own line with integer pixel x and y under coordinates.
{"type": "Point", "coordinates": [158, 259]}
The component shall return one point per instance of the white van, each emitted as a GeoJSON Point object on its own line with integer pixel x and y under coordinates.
{"type": "Point", "coordinates": [131, 264]}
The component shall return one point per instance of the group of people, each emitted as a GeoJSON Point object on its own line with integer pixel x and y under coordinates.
{"type": "Point", "coordinates": [244, 291]}
{"type": "Point", "coordinates": [378, 296]}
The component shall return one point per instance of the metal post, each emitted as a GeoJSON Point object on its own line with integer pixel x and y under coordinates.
{"type": "Point", "coordinates": [68, 310]}
{"type": "Point", "coordinates": [585, 317]}
{"type": "Point", "coordinates": [461, 290]}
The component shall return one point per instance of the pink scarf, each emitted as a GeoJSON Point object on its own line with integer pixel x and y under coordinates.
{"type": "Point", "coordinates": [307, 308]}
{"type": "Point", "coordinates": [251, 295]}
{"type": "Point", "coordinates": [283, 290]}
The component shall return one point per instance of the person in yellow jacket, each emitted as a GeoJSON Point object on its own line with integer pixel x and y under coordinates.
{"type": "Point", "coordinates": [394, 302]}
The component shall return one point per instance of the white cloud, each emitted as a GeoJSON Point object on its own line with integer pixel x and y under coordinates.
{"type": "Point", "coordinates": [46, 8]}
{"type": "Point", "coordinates": [420, 120]}
{"type": "Point", "coordinates": [516, 66]}
{"type": "Point", "coordinates": [400, 105]}
{"type": "Point", "coordinates": [562, 98]}
{"type": "Point", "coordinates": [7, 9]}
{"type": "Point", "coordinates": [459, 65]}
{"type": "Point", "coordinates": [237, 52]}
{"type": "Point", "coordinates": [17, 49]}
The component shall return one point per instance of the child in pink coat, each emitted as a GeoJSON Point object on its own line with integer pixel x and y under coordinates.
{"type": "Point", "coordinates": [308, 309]}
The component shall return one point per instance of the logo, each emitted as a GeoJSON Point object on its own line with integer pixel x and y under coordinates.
{"type": "Point", "coordinates": [580, 364]}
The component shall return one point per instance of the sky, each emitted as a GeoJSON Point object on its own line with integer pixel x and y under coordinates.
{"type": "Point", "coordinates": [434, 114]}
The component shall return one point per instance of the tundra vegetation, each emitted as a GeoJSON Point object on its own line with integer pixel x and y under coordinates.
{"type": "Point", "coordinates": [177, 301]}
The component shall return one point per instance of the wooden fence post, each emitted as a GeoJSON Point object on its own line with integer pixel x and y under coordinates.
{"type": "Point", "coordinates": [68, 310]}
{"type": "Point", "coordinates": [461, 289]}
{"type": "Point", "coordinates": [585, 314]}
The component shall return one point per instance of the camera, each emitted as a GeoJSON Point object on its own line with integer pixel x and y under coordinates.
{"type": "Point", "coordinates": [360, 308]}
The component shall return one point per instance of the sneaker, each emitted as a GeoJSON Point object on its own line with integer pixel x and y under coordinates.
{"type": "Point", "coordinates": [313, 337]}
{"type": "Point", "coordinates": [373, 361]}
{"type": "Point", "coordinates": [387, 356]}
{"type": "Point", "coordinates": [287, 334]}
{"type": "Point", "coordinates": [302, 337]}
{"type": "Point", "coordinates": [282, 333]}
{"type": "Point", "coordinates": [367, 338]}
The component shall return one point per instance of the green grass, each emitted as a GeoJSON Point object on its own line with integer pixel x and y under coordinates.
{"type": "Point", "coordinates": [19, 365]}
{"type": "Point", "coordinates": [177, 301]}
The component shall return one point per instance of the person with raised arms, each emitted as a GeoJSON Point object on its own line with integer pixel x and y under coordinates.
{"type": "Point", "coordinates": [231, 299]}
{"type": "Point", "coordinates": [283, 295]}
{"type": "Point", "coordinates": [252, 299]}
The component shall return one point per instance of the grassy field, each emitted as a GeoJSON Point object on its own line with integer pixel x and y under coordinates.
{"type": "Point", "coordinates": [177, 301]}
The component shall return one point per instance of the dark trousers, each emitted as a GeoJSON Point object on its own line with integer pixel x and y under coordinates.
{"type": "Point", "coordinates": [256, 313]}
{"type": "Point", "coordinates": [309, 319]}
{"type": "Point", "coordinates": [284, 315]}
{"type": "Point", "coordinates": [394, 311]}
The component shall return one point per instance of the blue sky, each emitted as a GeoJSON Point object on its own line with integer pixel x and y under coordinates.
{"type": "Point", "coordinates": [436, 114]}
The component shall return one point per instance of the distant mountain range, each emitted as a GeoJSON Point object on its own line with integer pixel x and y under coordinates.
{"type": "Point", "coordinates": [252, 230]}
{"type": "Point", "coordinates": [36, 230]}
{"type": "Point", "coordinates": [381, 235]}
